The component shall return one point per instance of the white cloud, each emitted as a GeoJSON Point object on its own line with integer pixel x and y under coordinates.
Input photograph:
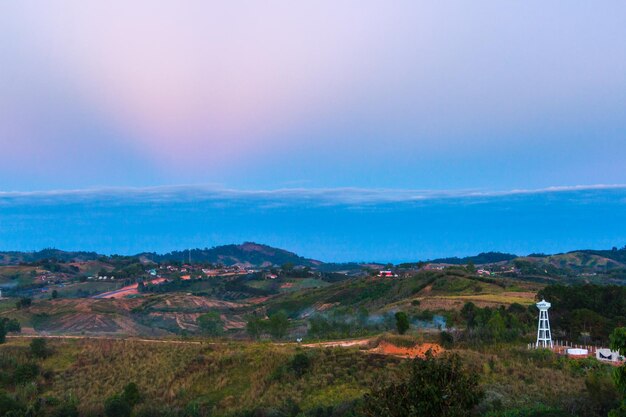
{"type": "Point", "coordinates": [278, 197]}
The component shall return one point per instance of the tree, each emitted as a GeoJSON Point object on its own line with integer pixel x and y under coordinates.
{"type": "Point", "coordinates": [12, 325]}
{"type": "Point", "coordinates": [9, 405]}
{"type": "Point", "coordinates": [117, 406]}
{"type": "Point", "coordinates": [469, 312]}
{"type": "Point", "coordinates": [446, 340]}
{"type": "Point", "coordinates": [402, 322]}
{"type": "Point", "coordinates": [278, 324]}
{"type": "Point", "coordinates": [618, 343]}
{"type": "Point", "coordinates": [211, 324]}
{"type": "Point", "coordinates": [39, 348]}
{"type": "Point", "coordinates": [55, 294]}
{"type": "Point", "coordinates": [434, 388]}
{"type": "Point", "coordinates": [3, 331]}
{"type": "Point", "coordinates": [496, 326]}
{"type": "Point", "coordinates": [23, 303]}
{"type": "Point", "coordinates": [255, 327]}
{"type": "Point", "coordinates": [602, 393]}
{"type": "Point", "coordinates": [300, 363]}
{"type": "Point", "coordinates": [131, 394]}
{"type": "Point", "coordinates": [470, 267]}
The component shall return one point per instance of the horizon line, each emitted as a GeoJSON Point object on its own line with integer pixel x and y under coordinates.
{"type": "Point", "coordinates": [336, 194]}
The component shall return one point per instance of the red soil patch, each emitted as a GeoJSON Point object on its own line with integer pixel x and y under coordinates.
{"type": "Point", "coordinates": [387, 348]}
{"type": "Point", "coordinates": [287, 285]}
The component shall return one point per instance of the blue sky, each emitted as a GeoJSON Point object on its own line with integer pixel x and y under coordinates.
{"type": "Point", "coordinates": [322, 98]}
{"type": "Point", "coordinates": [413, 94]}
{"type": "Point", "coordinates": [326, 224]}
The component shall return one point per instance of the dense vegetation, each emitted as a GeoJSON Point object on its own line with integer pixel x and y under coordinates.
{"type": "Point", "coordinates": [586, 313]}
{"type": "Point", "coordinates": [246, 253]}
{"type": "Point", "coordinates": [435, 388]}
{"type": "Point", "coordinates": [494, 325]}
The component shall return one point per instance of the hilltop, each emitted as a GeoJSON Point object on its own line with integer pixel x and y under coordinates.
{"type": "Point", "coordinates": [248, 254]}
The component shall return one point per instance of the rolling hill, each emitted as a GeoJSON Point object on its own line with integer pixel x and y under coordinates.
{"type": "Point", "coordinates": [248, 254]}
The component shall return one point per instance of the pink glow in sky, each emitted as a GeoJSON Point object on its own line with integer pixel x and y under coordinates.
{"type": "Point", "coordinates": [151, 92]}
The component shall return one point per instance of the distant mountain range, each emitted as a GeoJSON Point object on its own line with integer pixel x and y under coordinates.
{"type": "Point", "coordinates": [251, 254]}
{"type": "Point", "coordinates": [481, 258]}
{"type": "Point", "coordinates": [247, 254]}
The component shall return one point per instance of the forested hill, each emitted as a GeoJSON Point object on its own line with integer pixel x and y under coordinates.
{"type": "Point", "coordinates": [246, 254]}
{"type": "Point", "coordinates": [615, 254]}
{"type": "Point", "coordinates": [480, 259]}
{"type": "Point", "coordinates": [14, 257]}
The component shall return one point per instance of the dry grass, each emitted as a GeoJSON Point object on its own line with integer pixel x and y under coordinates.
{"type": "Point", "coordinates": [456, 302]}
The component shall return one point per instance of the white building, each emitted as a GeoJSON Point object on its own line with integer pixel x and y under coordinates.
{"type": "Point", "coordinates": [608, 355]}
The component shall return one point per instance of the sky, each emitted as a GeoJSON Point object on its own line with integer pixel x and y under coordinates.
{"type": "Point", "coordinates": [333, 224]}
{"type": "Point", "coordinates": [264, 95]}
{"type": "Point", "coordinates": [320, 98]}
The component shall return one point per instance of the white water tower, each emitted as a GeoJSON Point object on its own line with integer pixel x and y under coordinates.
{"type": "Point", "coordinates": [544, 337]}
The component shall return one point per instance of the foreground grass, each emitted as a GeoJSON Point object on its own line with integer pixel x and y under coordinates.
{"type": "Point", "coordinates": [230, 377]}
{"type": "Point", "coordinates": [226, 377]}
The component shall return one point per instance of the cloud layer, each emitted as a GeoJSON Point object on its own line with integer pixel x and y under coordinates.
{"type": "Point", "coordinates": [287, 196]}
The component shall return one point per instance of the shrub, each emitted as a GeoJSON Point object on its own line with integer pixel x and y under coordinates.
{"type": "Point", "coordinates": [131, 394]}
{"type": "Point", "coordinates": [446, 340]}
{"type": "Point", "coordinates": [278, 325]}
{"type": "Point", "coordinates": [8, 405]}
{"type": "Point", "coordinates": [25, 373]}
{"type": "Point", "coordinates": [402, 322]}
{"type": "Point", "coordinates": [117, 406]}
{"type": "Point", "coordinates": [23, 303]}
{"type": "Point", "coordinates": [211, 324]}
{"type": "Point", "coordinates": [65, 410]}
{"type": "Point", "coordinates": [300, 363]}
{"type": "Point", "coordinates": [435, 388]}
{"type": "Point", "coordinates": [39, 348]}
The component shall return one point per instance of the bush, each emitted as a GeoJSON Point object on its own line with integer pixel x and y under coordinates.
{"type": "Point", "coordinates": [25, 373]}
{"type": "Point", "coordinates": [131, 394]}
{"type": "Point", "coordinates": [402, 322]}
{"type": "Point", "coordinates": [435, 388]}
{"type": "Point", "coordinates": [446, 340]}
{"type": "Point", "coordinates": [23, 303]}
{"type": "Point", "coordinates": [211, 324]}
{"type": "Point", "coordinates": [278, 325]}
{"type": "Point", "coordinates": [8, 405]}
{"type": "Point", "coordinates": [39, 348]}
{"type": "Point", "coordinates": [300, 363]}
{"type": "Point", "coordinates": [65, 410]}
{"type": "Point", "coordinates": [117, 406]}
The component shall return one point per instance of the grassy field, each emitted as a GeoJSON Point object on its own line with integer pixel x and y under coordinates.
{"type": "Point", "coordinates": [226, 377]}
{"type": "Point", "coordinates": [230, 377]}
